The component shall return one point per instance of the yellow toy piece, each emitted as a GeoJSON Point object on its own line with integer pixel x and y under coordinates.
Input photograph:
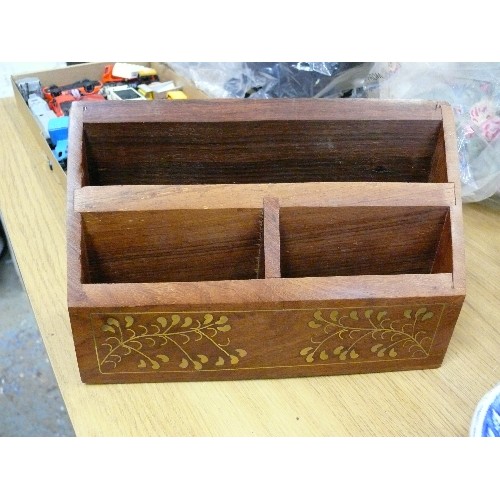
{"type": "Point", "coordinates": [145, 91]}
{"type": "Point", "coordinates": [176, 94]}
{"type": "Point", "coordinates": [145, 71]}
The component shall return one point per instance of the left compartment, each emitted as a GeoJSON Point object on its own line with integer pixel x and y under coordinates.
{"type": "Point", "coordinates": [171, 245]}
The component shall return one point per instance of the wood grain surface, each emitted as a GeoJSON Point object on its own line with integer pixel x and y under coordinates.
{"type": "Point", "coordinates": [332, 194]}
{"type": "Point", "coordinates": [345, 241]}
{"type": "Point", "coordinates": [250, 141]}
{"type": "Point", "coordinates": [173, 245]}
{"type": "Point", "coordinates": [417, 403]}
{"type": "Point", "coordinates": [272, 237]}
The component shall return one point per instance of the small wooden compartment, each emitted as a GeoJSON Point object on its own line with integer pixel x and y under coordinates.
{"type": "Point", "coordinates": [234, 239]}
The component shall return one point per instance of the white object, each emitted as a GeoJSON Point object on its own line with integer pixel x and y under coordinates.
{"type": "Point", "coordinates": [158, 87]}
{"type": "Point", "coordinates": [123, 93]}
{"type": "Point", "coordinates": [29, 85]}
{"type": "Point", "coordinates": [41, 112]}
{"type": "Point", "coordinates": [127, 70]}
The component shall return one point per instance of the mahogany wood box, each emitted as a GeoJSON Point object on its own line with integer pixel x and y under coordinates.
{"type": "Point", "coordinates": [237, 239]}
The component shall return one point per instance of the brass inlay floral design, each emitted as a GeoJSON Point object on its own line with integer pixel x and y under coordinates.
{"type": "Point", "coordinates": [371, 333]}
{"type": "Point", "coordinates": [178, 342]}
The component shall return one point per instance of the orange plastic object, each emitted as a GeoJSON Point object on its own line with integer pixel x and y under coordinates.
{"type": "Point", "coordinates": [108, 77]}
{"type": "Point", "coordinates": [62, 103]}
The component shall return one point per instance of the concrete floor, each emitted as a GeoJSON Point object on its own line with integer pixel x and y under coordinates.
{"type": "Point", "coordinates": [30, 400]}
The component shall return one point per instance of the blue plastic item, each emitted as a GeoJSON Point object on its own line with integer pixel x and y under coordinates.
{"type": "Point", "coordinates": [58, 133]}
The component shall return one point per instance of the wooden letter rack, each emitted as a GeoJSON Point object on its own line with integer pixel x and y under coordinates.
{"type": "Point", "coordinates": [237, 239]}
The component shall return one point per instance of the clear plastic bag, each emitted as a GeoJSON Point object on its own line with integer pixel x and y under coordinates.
{"type": "Point", "coordinates": [473, 90]}
{"type": "Point", "coordinates": [275, 79]}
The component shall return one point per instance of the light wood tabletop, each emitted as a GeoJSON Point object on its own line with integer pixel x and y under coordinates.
{"type": "Point", "coordinates": [438, 402]}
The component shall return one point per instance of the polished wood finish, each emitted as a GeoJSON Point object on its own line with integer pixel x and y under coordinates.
{"type": "Point", "coordinates": [173, 245]}
{"type": "Point", "coordinates": [130, 198]}
{"type": "Point", "coordinates": [272, 238]}
{"type": "Point", "coordinates": [346, 241]}
{"type": "Point", "coordinates": [219, 142]}
{"type": "Point", "coordinates": [407, 403]}
{"type": "Point", "coordinates": [239, 239]}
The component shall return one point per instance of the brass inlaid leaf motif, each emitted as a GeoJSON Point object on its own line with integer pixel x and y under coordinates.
{"type": "Point", "coordinates": [313, 324]}
{"type": "Point", "coordinates": [420, 311]}
{"type": "Point", "coordinates": [198, 341]}
{"type": "Point", "coordinates": [318, 316]}
{"type": "Point", "coordinates": [380, 333]}
{"type": "Point", "coordinates": [187, 322]}
{"type": "Point", "coordinates": [170, 340]}
{"type": "Point", "coordinates": [221, 320]}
